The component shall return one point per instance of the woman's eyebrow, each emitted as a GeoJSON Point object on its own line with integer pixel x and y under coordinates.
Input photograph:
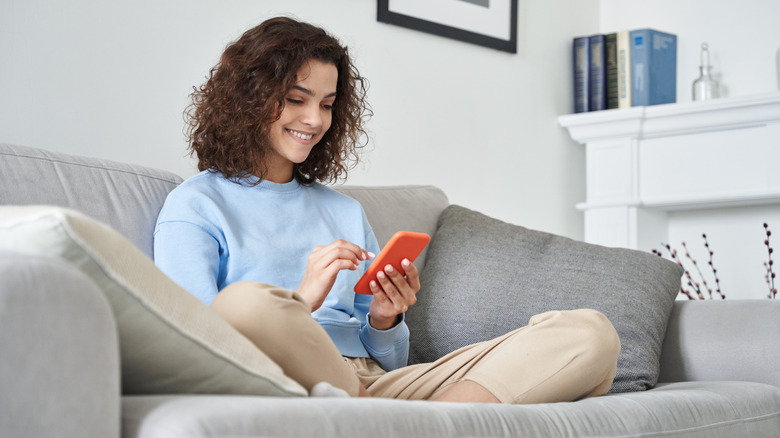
{"type": "Point", "coordinates": [309, 92]}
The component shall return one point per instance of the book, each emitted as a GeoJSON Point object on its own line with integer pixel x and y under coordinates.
{"type": "Point", "coordinates": [611, 69]}
{"type": "Point", "coordinates": [581, 61]}
{"type": "Point", "coordinates": [597, 74]}
{"type": "Point", "coordinates": [653, 67]}
{"type": "Point", "coordinates": [624, 69]}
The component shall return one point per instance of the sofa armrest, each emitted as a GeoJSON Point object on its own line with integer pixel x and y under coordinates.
{"type": "Point", "coordinates": [723, 340]}
{"type": "Point", "coordinates": [59, 366]}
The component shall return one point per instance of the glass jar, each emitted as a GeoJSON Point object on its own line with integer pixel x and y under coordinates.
{"type": "Point", "coordinates": [705, 87]}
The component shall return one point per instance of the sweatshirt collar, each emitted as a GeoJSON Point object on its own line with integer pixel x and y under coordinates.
{"type": "Point", "coordinates": [277, 187]}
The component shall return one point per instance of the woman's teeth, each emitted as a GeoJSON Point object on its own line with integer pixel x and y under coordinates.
{"type": "Point", "coordinates": [301, 135]}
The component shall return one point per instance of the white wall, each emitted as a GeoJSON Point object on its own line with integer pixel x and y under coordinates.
{"type": "Point", "coordinates": [743, 38]}
{"type": "Point", "coordinates": [111, 79]}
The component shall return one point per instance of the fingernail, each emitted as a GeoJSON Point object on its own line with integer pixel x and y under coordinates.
{"type": "Point", "coordinates": [373, 284]}
{"type": "Point", "coordinates": [405, 262]}
{"type": "Point", "coordinates": [389, 268]}
{"type": "Point", "coordinates": [380, 275]}
{"type": "Point", "coordinates": [371, 255]}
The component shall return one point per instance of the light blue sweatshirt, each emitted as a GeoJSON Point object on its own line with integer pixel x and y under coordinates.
{"type": "Point", "coordinates": [212, 232]}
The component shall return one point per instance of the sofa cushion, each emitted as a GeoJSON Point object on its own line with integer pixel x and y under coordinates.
{"type": "Point", "coordinates": [484, 277]}
{"type": "Point", "coordinates": [127, 197]}
{"type": "Point", "coordinates": [169, 341]}
{"type": "Point", "coordinates": [689, 409]}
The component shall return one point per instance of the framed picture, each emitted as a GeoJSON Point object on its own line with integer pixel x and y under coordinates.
{"type": "Point", "coordinates": [490, 23]}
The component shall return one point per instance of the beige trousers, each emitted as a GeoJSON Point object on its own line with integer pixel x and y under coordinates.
{"type": "Point", "coordinates": [558, 356]}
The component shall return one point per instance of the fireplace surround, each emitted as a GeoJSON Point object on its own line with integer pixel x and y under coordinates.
{"type": "Point", "coordinates": [670, 173]}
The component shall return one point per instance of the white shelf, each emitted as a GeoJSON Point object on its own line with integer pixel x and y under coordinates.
{"type": "Point", "coordinates": [674, 119]}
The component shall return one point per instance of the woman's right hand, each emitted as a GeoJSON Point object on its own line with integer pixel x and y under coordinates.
{"type": "Point", "coordinates": [325, 262]}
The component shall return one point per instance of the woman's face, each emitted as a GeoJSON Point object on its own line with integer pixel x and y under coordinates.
{"type": "Point", "coordinates": [305, 118]}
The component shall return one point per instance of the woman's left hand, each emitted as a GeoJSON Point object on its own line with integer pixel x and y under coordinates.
{"type": "Point", "coordinates": [393, 294]}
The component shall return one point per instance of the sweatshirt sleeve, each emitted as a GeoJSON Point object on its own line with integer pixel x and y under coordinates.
{"type": "Point", "coordinates": [187, 251]}
{"type": "Point", "coordinates": [389, 348]}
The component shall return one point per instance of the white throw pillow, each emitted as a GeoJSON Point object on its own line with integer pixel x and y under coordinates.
{"type": "Point", "coordinates": [170, 342]}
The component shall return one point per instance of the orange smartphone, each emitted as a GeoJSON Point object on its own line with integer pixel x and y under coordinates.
{"type": "Point", "coordinates": [403, 245]}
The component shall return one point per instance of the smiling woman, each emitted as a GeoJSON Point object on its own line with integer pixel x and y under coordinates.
{"type": "Point", "coordinates": [281, 113]}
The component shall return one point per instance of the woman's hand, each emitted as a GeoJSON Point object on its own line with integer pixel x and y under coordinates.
{"type": "Point", "coordinates": [393, 294]}
{"type": "Point", "coordinates": [325, 262]}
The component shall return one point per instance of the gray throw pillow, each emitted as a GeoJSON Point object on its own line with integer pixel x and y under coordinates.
{"type": "Point", "coordinates": [484, 277]}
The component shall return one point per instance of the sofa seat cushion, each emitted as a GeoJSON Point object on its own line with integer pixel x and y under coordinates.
{"type": "Point", "coordinates": [693, 409]}
{"type": "Point", "coordinates": [169, 341]}
{"type": "Point", "coordinates": [484, 278]}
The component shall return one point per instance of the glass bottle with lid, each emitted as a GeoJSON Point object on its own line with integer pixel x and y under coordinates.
{"type": "Point", "coordinates": [705, 87]}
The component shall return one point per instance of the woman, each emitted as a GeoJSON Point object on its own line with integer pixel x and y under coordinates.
{"type": "Point", "coordinates": [280, 113]}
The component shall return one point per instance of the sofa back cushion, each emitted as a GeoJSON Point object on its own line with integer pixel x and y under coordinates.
{"type": "Point", "coordinates": [126, 197]}
{"type": "Point", "coordinates": [400, 208]}
{"type": "Point", "coordinates": [129, 197]}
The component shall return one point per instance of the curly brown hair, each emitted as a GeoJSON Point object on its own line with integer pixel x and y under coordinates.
{"type": "Point", "coordinates": [229, 119]}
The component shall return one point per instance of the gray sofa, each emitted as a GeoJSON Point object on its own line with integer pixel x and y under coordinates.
{"type": "Point", "coordinates": [61, 358]}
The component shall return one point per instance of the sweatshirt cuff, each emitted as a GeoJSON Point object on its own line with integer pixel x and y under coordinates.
{"type": "Point", "coordinates": [384, 342]}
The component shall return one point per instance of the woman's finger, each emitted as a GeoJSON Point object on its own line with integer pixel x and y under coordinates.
{"type": "Point", "coordinates": [412, 275]}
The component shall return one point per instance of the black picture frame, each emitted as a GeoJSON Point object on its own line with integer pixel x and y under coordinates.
{"type": "Point", "coordinates": [385, 14]}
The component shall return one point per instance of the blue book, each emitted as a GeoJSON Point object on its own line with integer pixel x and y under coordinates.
{"type": "Point", "coordinates": [581, 61]}
{"type": "Point", "coordinates": [653, 67]}
{"type": "Point", "coordinates": [598, 74]}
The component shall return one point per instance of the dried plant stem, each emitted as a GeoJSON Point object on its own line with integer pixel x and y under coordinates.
{"type": "Point", "coordinates": [682, 289]}
{"type": "Point", "coordinates": [712, 267]}
{"type": "Point", "coordinates": [691, 282]}
{"type": "Point", "coordinates": [696, 265]}
{"type": "Point", "coordinates": [770, 275]}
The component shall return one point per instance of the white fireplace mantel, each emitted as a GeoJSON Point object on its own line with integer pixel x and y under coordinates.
{"type": "Point", "coordinates": [645, 166]}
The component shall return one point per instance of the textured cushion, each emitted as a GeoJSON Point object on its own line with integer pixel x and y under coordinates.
{"type": "Point", "coordinates": [484, 277]}
{"type": "Point", "coordinates": [126, 197]}
{"type": "Point", "coordinates": [169, 341]}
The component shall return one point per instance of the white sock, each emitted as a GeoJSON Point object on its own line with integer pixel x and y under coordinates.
{"type": "Point", "coordinates": [325, 389]}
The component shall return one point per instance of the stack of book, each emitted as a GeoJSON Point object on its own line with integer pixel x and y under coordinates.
{"type": "Point", "coordinates": [624, 69]}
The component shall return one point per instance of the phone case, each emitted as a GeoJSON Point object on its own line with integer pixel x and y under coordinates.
{"type": "Point", "coordinates": [403, 245]}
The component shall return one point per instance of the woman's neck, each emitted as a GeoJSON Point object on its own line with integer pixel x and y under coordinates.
{"type": "Point", "coordinates": [278, 174]}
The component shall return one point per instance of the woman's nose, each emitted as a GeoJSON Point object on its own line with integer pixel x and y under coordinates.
{"type": "Point", "coordinates": [311, 116]}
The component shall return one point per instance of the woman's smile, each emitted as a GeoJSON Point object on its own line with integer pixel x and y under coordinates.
{"type": "Point", "coordinates": [300, 135]}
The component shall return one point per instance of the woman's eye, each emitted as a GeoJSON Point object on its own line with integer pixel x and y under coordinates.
{"type": "Point", "coordinates": [328, 107]}
{"type": "Point", "coordinates": [294, 101]}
